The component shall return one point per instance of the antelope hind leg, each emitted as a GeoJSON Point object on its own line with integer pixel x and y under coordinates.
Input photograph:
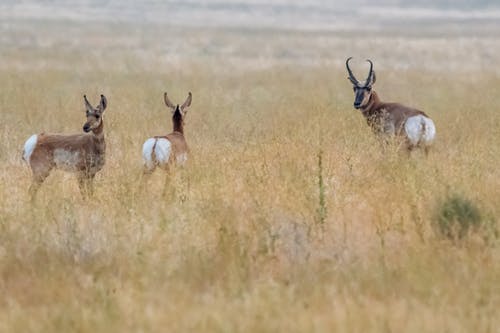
{"type": "Point", "coordinates": [39, 176]}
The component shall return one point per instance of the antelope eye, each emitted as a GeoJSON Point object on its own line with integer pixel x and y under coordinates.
{"type": "Point", "coordinates": [97, 116]}
{"type": "Point", "coordinates": [369, 89]}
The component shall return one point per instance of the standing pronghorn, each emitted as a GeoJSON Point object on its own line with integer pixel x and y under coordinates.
{"type": "Point", "coordinates": [392, 119]}
{"type": "Point", "coordinates": [163, 150]}
{"type": "Point", "coordinates": [79, 153]}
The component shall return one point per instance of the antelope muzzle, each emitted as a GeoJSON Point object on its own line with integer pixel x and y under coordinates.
{"type": "Point", "coordinates": [86, 127]}
{"type": "Point", "coordinates": [359, 96]}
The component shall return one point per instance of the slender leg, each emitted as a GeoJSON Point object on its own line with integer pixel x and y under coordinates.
{"type": "Point", "coordinates": [409, 149]}
{"type": "Point", "coordinates": [147, 171]}
{"type": "Point", "coordinates": [39, 175]}
{"type": "Point", "coordinates": [169, 173]}
{"type": "Point", "coordinates": [184, 184]}
{"type": "Point", "coordinates": [35, 185]}
{"type": "Point", "coordinates": [426, 150]}
{"type": "Point", "coordinates": [86, 185]}
{"type": "Point", "coordinates": [81, 185]}
{"type": "Point", "coordinates": [90, 185]}
{"type": "Point", "coordinates": [166, 184]}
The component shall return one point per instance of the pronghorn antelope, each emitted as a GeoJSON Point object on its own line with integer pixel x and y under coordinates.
{"type": "Point", "coordinates": [163, 150]}
{"type": "Point", "coordinates": [82, 154]}
{"type": "Point", "coordinates": [392, 119]}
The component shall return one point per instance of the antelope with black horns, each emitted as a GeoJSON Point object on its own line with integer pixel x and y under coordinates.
{"type": "Point", "coordinates": [391, 119]}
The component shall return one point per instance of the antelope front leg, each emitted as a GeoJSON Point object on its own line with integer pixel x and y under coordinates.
{"type": "Point", "coordinates": [86, 184]}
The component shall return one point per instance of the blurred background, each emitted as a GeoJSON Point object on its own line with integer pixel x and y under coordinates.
{"type": "Point", "coordinates": [289, 14]}
{"type": "Point", "coordinates": [445, 35]}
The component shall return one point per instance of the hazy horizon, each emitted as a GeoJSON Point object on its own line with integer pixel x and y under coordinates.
{"type": "Point", "coordinates": [292, 15]}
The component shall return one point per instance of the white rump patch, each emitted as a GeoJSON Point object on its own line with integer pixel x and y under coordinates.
{"type": "Point", "coordinates": [182, 158]}
{"type": "Point", "coordinates": [420, 130]}
{"type": "Point", "coordinates": [29, 146]}
{"type": "Point", "coordinates": [147, 151]}
{"type": "Point", "coordinates": [156, 151]}
{"type": "Point", "coordinates": [163, 149]}
{"type": "Point", "coordinates": [66, 159]}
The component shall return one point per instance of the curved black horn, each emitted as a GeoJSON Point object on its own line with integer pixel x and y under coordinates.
{"type": "Point", "coordinates": [370, 72]}
{"type": "Point", "coordinates": [351, 75]}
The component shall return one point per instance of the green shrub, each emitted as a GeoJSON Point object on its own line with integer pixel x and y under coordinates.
{"type": "Point", "coordinates": [457, 216]}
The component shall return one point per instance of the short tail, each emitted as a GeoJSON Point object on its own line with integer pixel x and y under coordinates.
{"type": "Point", "coordinates": [148, 153]}
{"type": "Point", "coordinates": [29, 147]}
{"type": "Point", "coordinates": [423, 130]}
{"type": "Point", "coordinates": [153, 154]}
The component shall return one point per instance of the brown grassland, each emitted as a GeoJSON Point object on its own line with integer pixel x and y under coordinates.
{"type": "Point", "coordinates": [245, 239]}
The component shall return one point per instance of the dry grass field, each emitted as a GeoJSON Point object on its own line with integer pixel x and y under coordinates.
{"type": "Point", "coordinates": [255, 234]}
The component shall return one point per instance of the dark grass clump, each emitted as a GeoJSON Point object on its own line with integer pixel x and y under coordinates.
{"type": "Point", "coordinates": [457, 216]}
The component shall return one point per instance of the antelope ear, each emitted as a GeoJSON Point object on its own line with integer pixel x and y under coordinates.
{"type": "Point", "coordinates": [88, 106]}
{"type": "Point", "coordinates": [168, 103]}
{"type": "Point", "coordinates": [103, 104]}
{"type": "Point", "coordinates": [187, 103]}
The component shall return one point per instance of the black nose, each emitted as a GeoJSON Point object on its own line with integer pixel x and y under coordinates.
{"type": "Point", "coordinates": [356, 105]}
{"type": "Point", "coordinates": [86, 128]}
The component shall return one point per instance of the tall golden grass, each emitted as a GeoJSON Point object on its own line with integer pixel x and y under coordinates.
{"type": "Point", "coordinates": [239, 240]}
